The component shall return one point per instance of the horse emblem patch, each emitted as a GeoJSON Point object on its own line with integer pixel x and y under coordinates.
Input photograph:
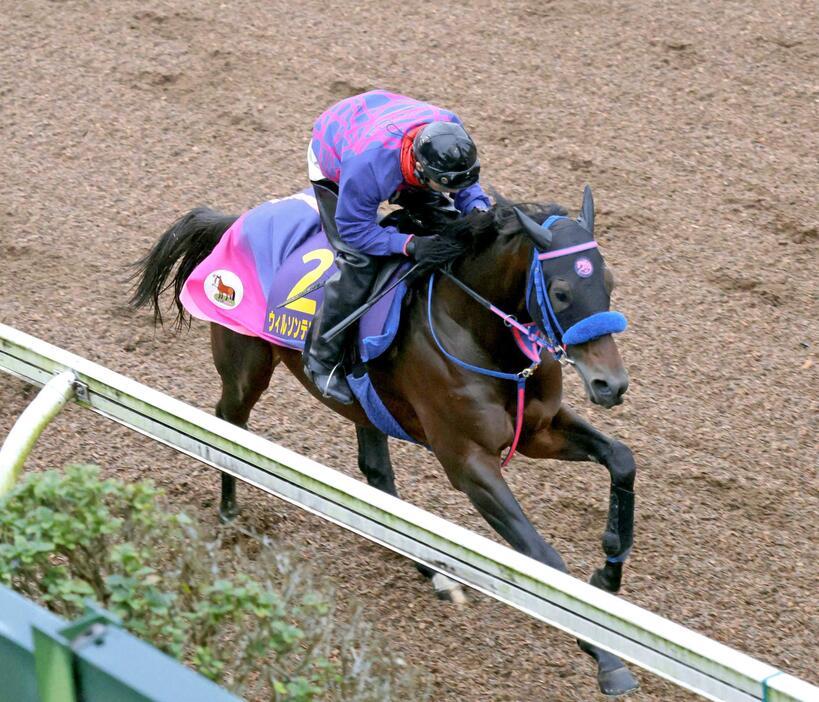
{"type": "Point", "coordinates": [583, 267]}
{"type": "Point", "coordinates": [224, 289]}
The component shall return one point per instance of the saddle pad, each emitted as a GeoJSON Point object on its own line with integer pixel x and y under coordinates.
{"type": "Point", "coordinates": [270, 254]}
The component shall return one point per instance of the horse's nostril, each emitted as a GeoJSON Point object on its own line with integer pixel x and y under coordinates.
{"type": "Point", "coordinates": [601, 387]}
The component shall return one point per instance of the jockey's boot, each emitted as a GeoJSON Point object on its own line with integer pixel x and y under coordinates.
{"type": "Point", "coordinates": [344, 293]}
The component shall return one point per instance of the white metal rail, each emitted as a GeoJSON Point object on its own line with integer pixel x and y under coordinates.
{"type": "Point", "coordinates": [681, 655]}
{"type": "Point", "coordinates": [28, 427]}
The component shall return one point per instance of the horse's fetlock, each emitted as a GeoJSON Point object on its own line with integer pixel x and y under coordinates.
{"type": "Point", "coordinates": [611, 543]}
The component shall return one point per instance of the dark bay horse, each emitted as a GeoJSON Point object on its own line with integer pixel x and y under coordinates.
{"type": "Point", "coordinates": [454, 375]}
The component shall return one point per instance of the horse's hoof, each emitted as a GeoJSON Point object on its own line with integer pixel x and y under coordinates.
{"type": "Point", "coordinates": [228, 514]}
{"type": "Point", "coordinates": [599, 580]}
{"type": "Point", "coordinates": [619, 681]}
{"type": "Point", "coordinates": [447, 589]}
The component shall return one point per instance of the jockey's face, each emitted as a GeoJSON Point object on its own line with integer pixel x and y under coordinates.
{"type": "Point", "coordinates": [431, 184]}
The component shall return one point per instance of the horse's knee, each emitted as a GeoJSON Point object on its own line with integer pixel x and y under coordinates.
{"type": "Point", "coordinates": [460, 480]}
{"type": "Point", "coordinates": [621, 465]}
{"type": "Point", "coordinates": [469, 479]}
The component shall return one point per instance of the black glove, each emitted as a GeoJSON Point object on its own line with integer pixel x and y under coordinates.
{"type": "Point", "coordinates": [433, 251]}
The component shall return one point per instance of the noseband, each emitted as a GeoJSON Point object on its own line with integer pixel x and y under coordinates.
{"type": "Point", "coordinates": [587, 329]}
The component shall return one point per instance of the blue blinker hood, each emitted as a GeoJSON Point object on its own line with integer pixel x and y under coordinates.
{"type": "Point", "coordinates": [585, 263]}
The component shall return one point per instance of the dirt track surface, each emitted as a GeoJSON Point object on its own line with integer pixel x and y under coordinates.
{"type": "Point", "coordinates": [695, 125]}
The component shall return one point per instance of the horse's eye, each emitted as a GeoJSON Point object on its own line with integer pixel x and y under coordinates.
{"type": "Point", "coordinates": [561, 296]}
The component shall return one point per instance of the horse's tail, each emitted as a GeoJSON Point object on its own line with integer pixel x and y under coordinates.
{"type": "Point", "coordinates": [188, 241]}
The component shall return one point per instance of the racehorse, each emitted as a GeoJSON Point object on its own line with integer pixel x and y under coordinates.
{"type": "Point", "coordinates": [455, 377]}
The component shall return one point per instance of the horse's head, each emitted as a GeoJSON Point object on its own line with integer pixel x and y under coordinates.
{"type": "Point", "coordinates": [568, 295]}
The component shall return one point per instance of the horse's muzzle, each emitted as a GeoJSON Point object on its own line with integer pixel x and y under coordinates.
{"type": "Point", "coordinates": [599, 365]}
{"type": "Point", "coordinates": [608, 391]}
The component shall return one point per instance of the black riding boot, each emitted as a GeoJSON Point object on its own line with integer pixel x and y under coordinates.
{"type": "Point", "coordinates": [344, 293]}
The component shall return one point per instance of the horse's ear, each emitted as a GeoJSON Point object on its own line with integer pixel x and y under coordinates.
{"type": "Point", "coordinates": [542, 237]}
{"type": "Point", "coordinates": [499, 199]}
{"type": "Point", "coordinates": [586, 218]}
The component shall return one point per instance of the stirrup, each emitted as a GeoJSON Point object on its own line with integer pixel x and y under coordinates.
{"type": "Point", "coordinates": [329, 379]}
{"type": "Point", "coordinates": [342, 392]}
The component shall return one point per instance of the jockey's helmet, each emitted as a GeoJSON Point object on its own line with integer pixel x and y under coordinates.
{"type": "Point", "coordinates": [445, 154]}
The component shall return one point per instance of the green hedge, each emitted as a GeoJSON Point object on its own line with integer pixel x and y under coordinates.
{"type": "Point", "coordinates": [258, 623]}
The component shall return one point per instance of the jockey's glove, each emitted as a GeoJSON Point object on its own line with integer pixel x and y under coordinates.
{"type": "Point", "coordinates": [433, 251]}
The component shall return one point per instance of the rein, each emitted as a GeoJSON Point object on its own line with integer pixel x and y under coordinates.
{"type": "Point", "coordinates": [520, 378]}
{"type": "Point", "coordinates": [529, 331]}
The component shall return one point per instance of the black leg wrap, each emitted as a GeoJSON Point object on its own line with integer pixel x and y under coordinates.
{"type": "Point", "coordinates": [374, 459]}
{"type": "Point", "coordinates": [228, 509]}
{"type": "Point", "coordinates": [619, 535]}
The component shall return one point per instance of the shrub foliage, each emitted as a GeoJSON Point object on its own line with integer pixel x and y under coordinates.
{"type": "Point", "coordinates": [258, 623]}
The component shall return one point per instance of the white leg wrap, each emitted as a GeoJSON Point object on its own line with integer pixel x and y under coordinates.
{"type": "Point", "coordinates": [448, 589]}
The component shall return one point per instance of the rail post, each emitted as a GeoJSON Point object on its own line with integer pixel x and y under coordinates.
{"type": "Point", "coordinates": [30, 424]}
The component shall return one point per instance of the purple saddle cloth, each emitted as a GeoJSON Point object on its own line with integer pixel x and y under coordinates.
{"type": "Point", "coordinates": [269, 255]}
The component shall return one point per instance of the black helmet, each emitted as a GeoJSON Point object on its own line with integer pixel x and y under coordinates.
{"type": "Point", "coordinates": [447, 155]}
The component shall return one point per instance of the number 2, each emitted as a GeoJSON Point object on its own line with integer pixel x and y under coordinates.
{"type": "Point", "coordinates": [325, 257]}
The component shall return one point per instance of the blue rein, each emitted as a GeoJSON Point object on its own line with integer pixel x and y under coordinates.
{"type": "Point", "coordinates": [521, 376]}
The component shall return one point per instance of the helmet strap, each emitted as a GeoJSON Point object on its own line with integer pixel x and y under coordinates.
{"type": "Point", "coordinates": [409, 165]}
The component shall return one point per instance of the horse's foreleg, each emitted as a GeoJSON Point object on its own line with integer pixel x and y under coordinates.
{"type": "Point", "coordinates": [374, 462]}
{"type": "Point", "coordinates": [569, 438]}
{"type": "Point", "coordinates": [245, 364]}
{"type": "Point", "coordinates": [477, 473]}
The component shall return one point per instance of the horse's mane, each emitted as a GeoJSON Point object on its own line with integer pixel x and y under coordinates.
{"type": "Point", "coordinates": [479, 229]}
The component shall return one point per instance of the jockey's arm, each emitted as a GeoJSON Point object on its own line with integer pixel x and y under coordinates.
{"type": "Point", "coordinates": [362, 188]}
{"type": "Point", "coordinates": [471, 198]}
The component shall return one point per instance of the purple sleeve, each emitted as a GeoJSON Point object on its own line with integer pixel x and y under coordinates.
{"type": "Point", "coordinates": [469, 198]}
{"type": "Point", "coordinates": [367, 181]}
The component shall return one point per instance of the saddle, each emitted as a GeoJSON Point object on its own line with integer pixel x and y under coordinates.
{"type": "Point", "coordinates": [265, 276]}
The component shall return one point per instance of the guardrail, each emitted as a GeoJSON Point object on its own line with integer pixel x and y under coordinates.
{"type": "Point", "coordinates": [681, 655]}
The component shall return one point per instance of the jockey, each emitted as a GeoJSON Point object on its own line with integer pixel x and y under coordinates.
{"type": "Point", "coordinates": [368, 149]}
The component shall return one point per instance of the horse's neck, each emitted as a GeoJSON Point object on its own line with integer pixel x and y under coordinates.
{"type": "Point", "coordinates": [499, 275]}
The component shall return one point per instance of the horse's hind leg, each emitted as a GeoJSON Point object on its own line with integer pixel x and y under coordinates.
{"type": "Point", "coordinates": [374, 462]}
{"type": "Point", "coordinates": [245, 364]}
